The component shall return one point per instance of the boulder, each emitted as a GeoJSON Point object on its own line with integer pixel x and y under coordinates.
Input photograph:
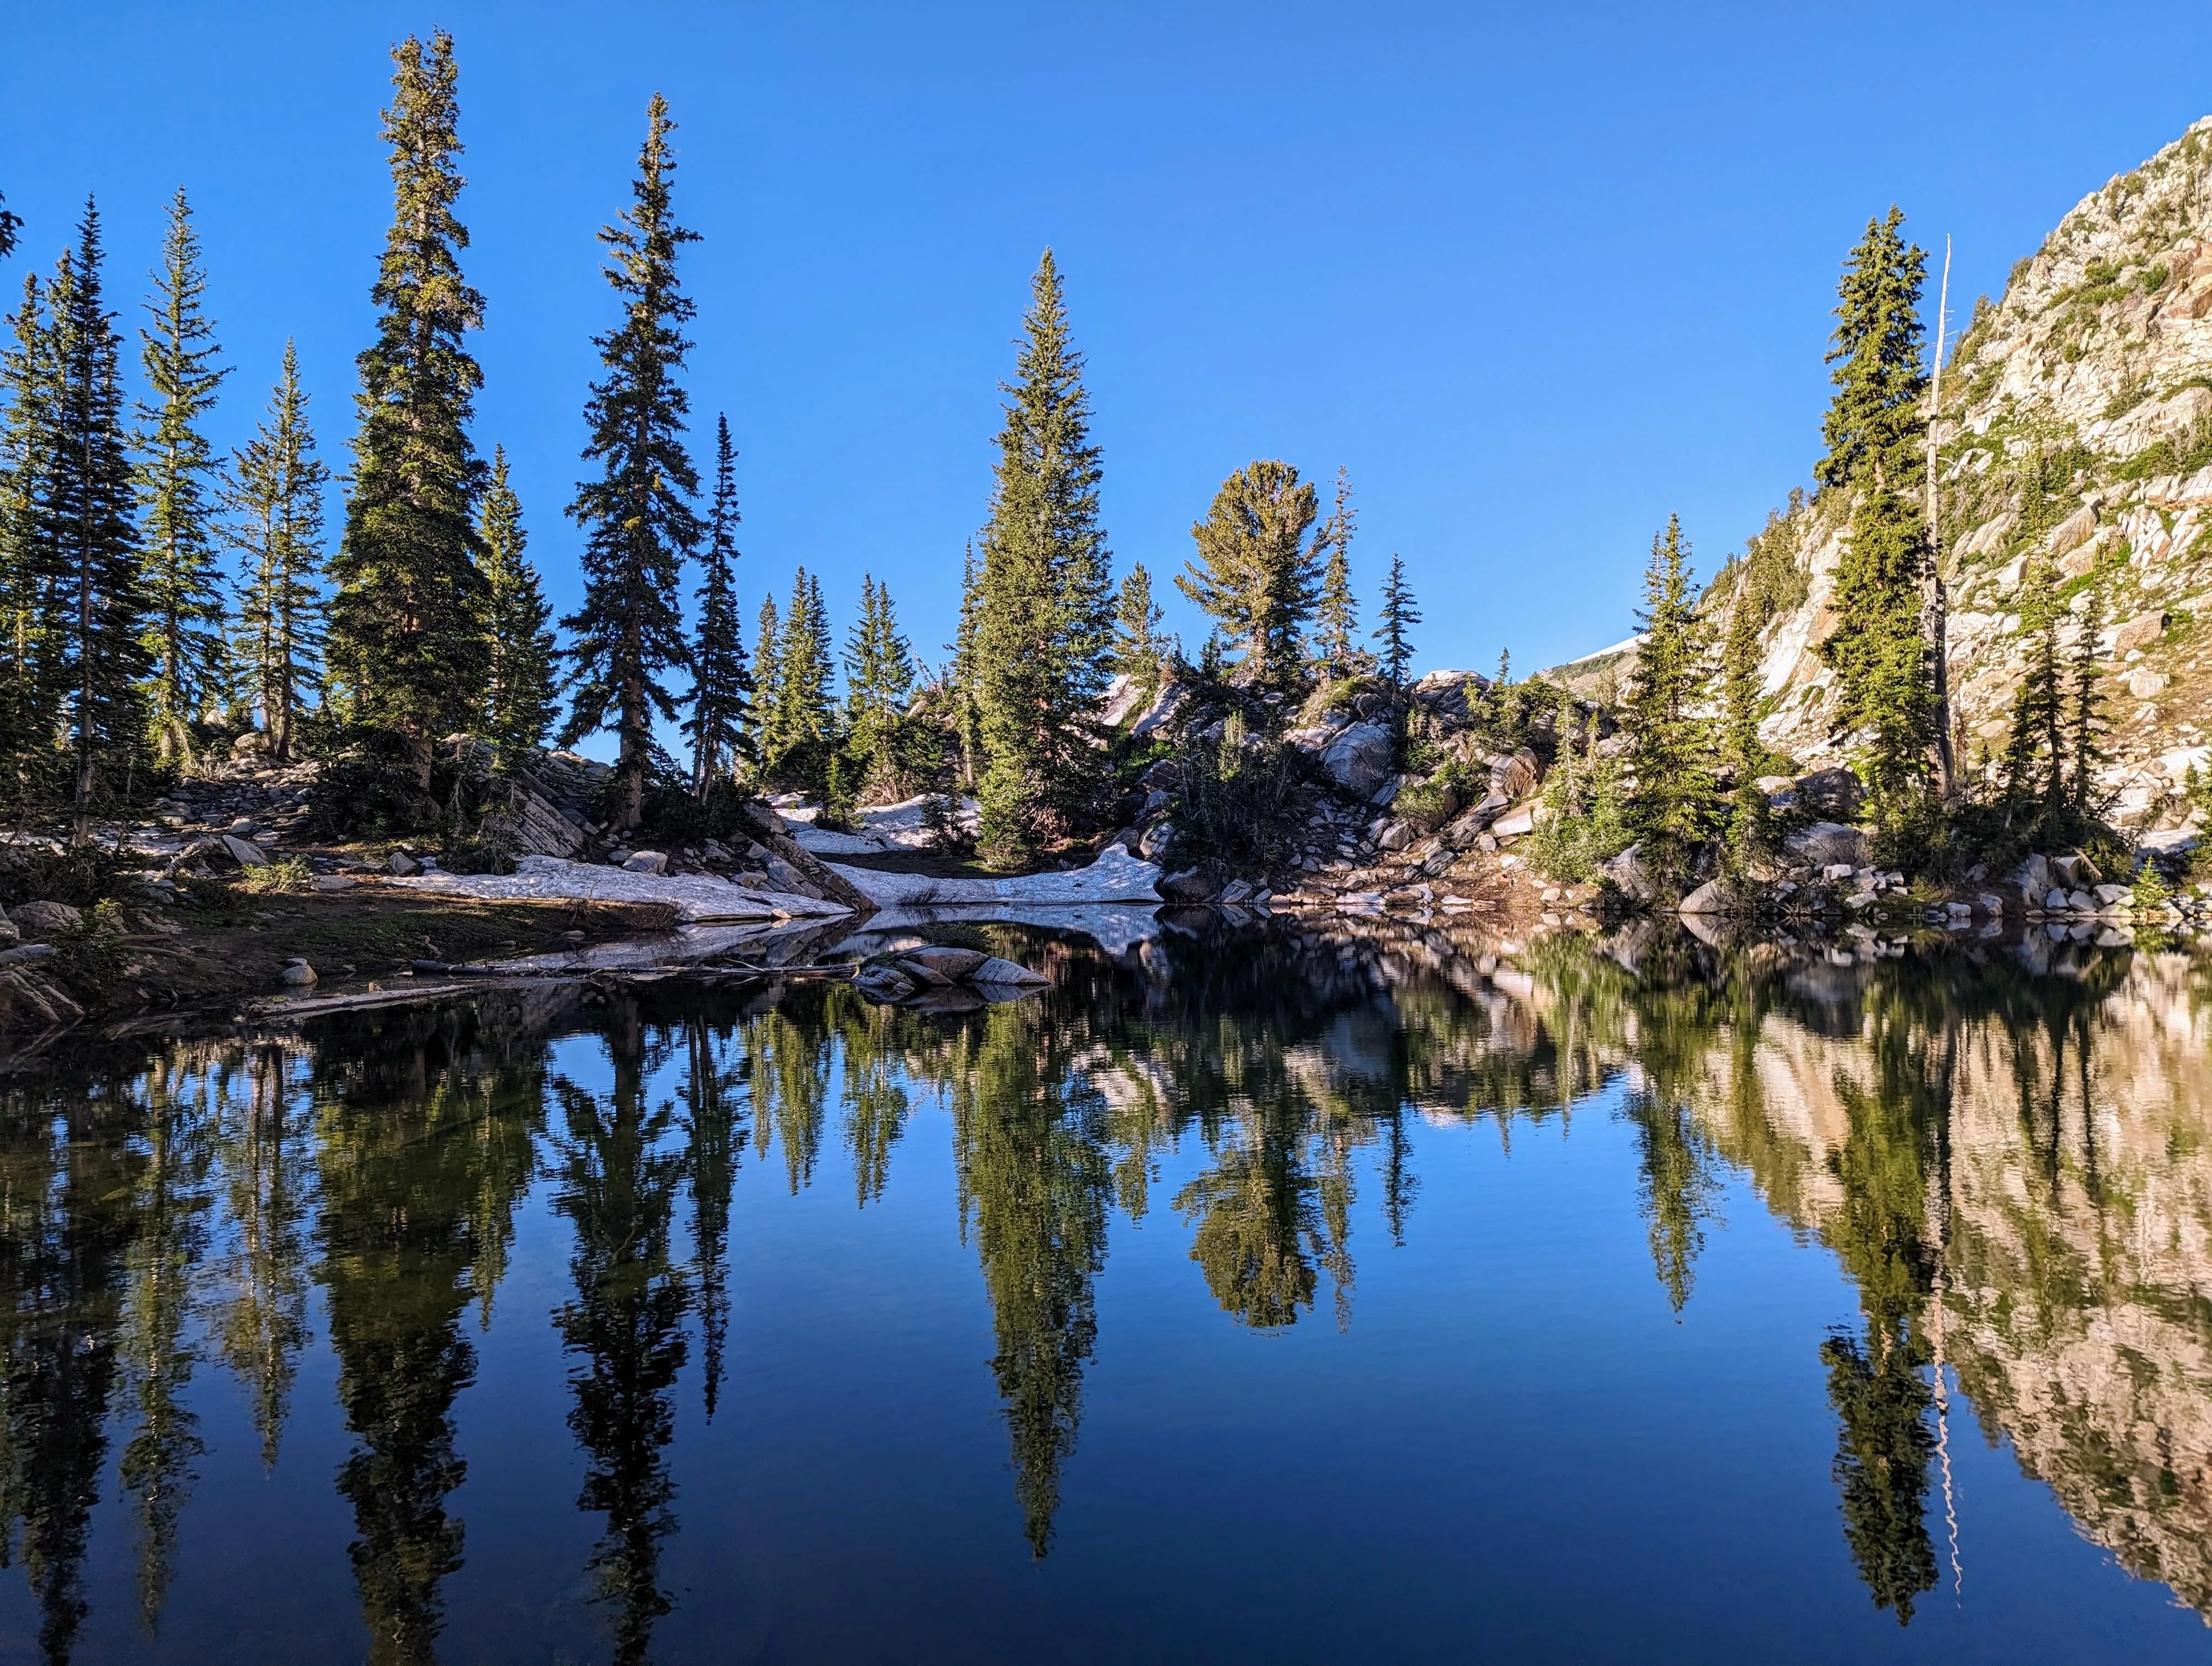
{"type": "Point", "coordinates": [787, 876]}
{"type": "Point", "coordinates": [245, 851]}
{"type": "Point", "coordinates": [1831, 792]}
{"type": "Point", "coordinates": [924, 977]}
{"type": "Point", "coordinates": [1359, 758]}
{"type": "Point", "coordinates": [1829, 844]}
{"type": "Point", "coordinates": [2074, 871]}
{"type": "Point", "coordinates": [41, 922]}
{"type": "Point", "coordinates": [1707, 898]}
{"type": "Point", "coordinates": [1513, 826]}
{"type": "Point", "coordinates": [298, 974]}
{"type": "Point", "coordinates": [2139, 632]}
{"type": "Point", "coordinates": [2032, 878]}
{"type": "Point", "coordinates": [883, 982]}
{"type": "Point", "coordinates": [1629, 875]}
{"type": "Point", "coordinates": [2054, 900]}
{"type": "Point", "coordinates": [950, 963]}
{"type": "Point", "coordinates": [2144, 684]}
{"type": "Point", "coordinates": [403, 864]}
{"type": "Point", "coordinates": [647, 862]}
{"type": "Point", "coordinates": [2111, 895]}
{"type": "Point", "coordinates": [1397, 836]}
{"type": "Point", "coordinates": [1188, 886]}
{"type": "Point", "coordinates": [1005, 972]}
{"type": "Point", "coordinates": [329, 882]}
{"type": "Point", "coordinates": [1515, 775]}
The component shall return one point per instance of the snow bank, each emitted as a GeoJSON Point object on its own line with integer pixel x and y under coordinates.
{"type": "Point", "coordinates": [697, 897]}
{"type": "Point", "coordinates": [1115, 877]}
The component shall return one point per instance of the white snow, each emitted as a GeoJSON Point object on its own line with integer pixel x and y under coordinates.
{"type": "Point", "coordinates": [697, 897]}
{"type": "Point", "coordinates": [1115, 877]}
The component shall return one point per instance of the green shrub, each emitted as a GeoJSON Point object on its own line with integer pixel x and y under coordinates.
{"type": "Point", "coordinates": [1239, 806]}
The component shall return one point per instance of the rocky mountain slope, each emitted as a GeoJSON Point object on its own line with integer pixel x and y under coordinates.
{"type": "Point", "coordinates": [2077, 415]}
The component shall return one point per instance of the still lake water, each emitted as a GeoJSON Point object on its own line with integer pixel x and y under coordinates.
{"type": "Point", "coordinates": [1257, 1297]}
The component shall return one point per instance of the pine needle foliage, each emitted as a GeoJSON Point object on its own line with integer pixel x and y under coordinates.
{"type": "Point", "coordinates": [1046, 630]}
{"type": "Point", "coordinates": [520, 692]}
{"type": "Point", "coordinates": [1137, 649]}
{"type": "Point", "coordinates": [1670, 743]}
{"type": "Point", "coordinates": [1741, 746]}
{"type": "Point", "coordinates": [880, 673]}
{"type": "Point", "coordinates": [1255, 572]}
{"type": "Point", "coordinates": [1875, 432]}
{"type": "Point", "coordinates": [1394, 623]}
{"type": "Point", "coordinates": [2087, 717]}
{"type": "Point", "coordinates": [2035, 748]}
{"type": "Point", "coordinates": [178, 490]}
{"type": "Point", "coordinates": [768, 679]}
{"type": "Point", "coordinates": [274, 497]}
{"type": "Point", "coordinates": [29, 574]}
{"type": "Point", "coordinates": [639, 525]}
{"type": "Point", "coordinates": [407, 641]}
{"type": "Point", "coordinates": [802, 721]}
{"type": "Point", "coordinates": [721, 677]}
{"type": "Point", "coordinates": [86, 519]}
{"type": "Point", "coordinates": [1336, 611]}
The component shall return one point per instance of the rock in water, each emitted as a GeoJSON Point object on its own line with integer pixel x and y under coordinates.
{"type": "Point", "coordinates": [950, 963]}
{"type": "Point", "coordinates": [1705, 899]}
{"type": "Point", "coordinates": [995, 971]}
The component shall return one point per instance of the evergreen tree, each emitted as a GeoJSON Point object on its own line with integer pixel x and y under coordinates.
{"type": "Point", "coordinates": [967, 673]}
{"type": "Point", "coordinates": [407, 640]}
{"type": "Point", "coordinates": [722, 682]}
{"type": "Point", "coordinates": [275, 497]}
{"type": "Point", "coordinates": [1137, 647]}
{"type": "Point", "coordinates": [801, 724]}
{"type": "Point", "coordinates": [1336, 614]}
{"type": "Point", "coordinates": [1676, 803]}
{"type": "Point", "coordinates": [1875, 432]}
{"type": "Point", "coordinates": [86, 520]}
{"type": "Point", "coordinates": [1045, 626]}
{"type": "Point", "coordinates": [521, 692]}
{"type": "Point", "coordinates": [1740, 745]}
{"type": "Point", "coordinates": [1255, 572]}
{"type": "Point", "coordinates": [2035, 750]}
{"type": "Point", "coordinates": [880, 673]}
{"type": "Point", "coordinates": [2086, 694]}
{"type": "Point", "coordinates": [29, 625]}
{"type": "Point", "coordinates": [768, 678]}
{"type": "Point", "coordinates": [176, 474]}
{"type": "Point", "coordinates": [637, 518]}
{"type": "Point", "coordinates": [10, 226]}
{"type": "Point", "coordinates": [1395, 622]}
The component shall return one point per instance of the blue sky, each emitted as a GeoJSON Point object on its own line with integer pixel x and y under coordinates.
{"type": "Point", "coordinates": [1536, 276]}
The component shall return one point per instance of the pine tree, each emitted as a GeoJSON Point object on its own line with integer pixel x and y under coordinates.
{"type": "Point", "coordinates": [30, 696]}
{"type": "Point", "coordinates": [1396, 622]}
{"type": "Point", "coordinates": [801, 723]}
{"type": "Point", "coordinates": [407, 640]}
{"type": "Point", "coordinates": [520, 694]}
{"type": "Point", "coordinates": [1740, 743]}
{"type": "Point", "coordinates": [275, 500]}
{"type": "Point", "coordinates": [967, 669]}
{"type": "Point", "coordinates": [1255, 572]}
{"type": "Point", "coordinates": [1336, 614]}
{"type": "Point", "coordinates": [1046, 629]}
{"type": "Point", "coordinates": [1137, 619]}
{"type": "Point", "coordinates": [2086, 694]}
{"type": "Point", "coordinates": [176, 481]}
{"type": "Point", "coordinates": [880, 673]}
{"type": "Point", "coordinates": [721, 680]}
{"type": "Point", "coordinates": [1676, 803]}
{"type": "Point", "coordinates": [1874, 432]}
{"type": "Point", "coordinates": [637, 518]}
{"type": "Point", "coordinates": [86, 520]}
{"type": "Point", "coordinates": [2035, 750]}
{"type": "Point", "coordinates": [10, 226]}
{"type": "Point", "coordinates": [768, 681]}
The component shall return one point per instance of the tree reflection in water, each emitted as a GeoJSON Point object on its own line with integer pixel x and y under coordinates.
{"type": "Point", "coordinates": [2009, 1164]}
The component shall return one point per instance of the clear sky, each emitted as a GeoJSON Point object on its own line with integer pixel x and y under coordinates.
{"type": "Point", "coordinates": [1537, 275]}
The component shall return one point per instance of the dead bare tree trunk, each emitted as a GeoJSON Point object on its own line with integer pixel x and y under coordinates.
{"type": "Point", "coordinates": [1934, 603]}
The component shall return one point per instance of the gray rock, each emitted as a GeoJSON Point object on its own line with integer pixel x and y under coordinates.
{"type": "Point", "coordinates": [298, 974]}
{"type": "Point", "coordinates": [1629, 875]}
{"type": "Point", "coordinates": [2055, 900]}
{"type": "Point", "coordinates": [334, 882]}
{"type": "Point", "coordinates": [1397, 836]}
{"type": "Point", "coordinates": [403, 864]}
{"type": "Point", "coordinates": [887, 984]}
{"type": "Point", "coordinates": [1831, 792]}
{"type": "Point", "coordinates": [243, 828]}
{"type": "Point", "coordinates": [1236, 890]}
{"type": "Point", "coordinates": [998, 971]}
{"type": "Point", "coordinates": [1358, 759]}
{"type": "Point", "coordinates": [1514, 776]}
{"type": "Point", "coordinates": [647, 861]}
{"type": "Point", "coordinates": [950, 963]}
{"type": "Point", "coordinates": [2080, 902]}
{"type": "Point", "coordinates": [1707, 898]}
{"type": "Point", "coordinates": [2108, 895]}
{"type": "Point", "coordinates": [785, 876]}
{"type": "Point", "coordinates": [1513, 826]}
{"type": "Point", "coordinates": [2032, 878]}
{"type": "Point", "coordinates": [10, 934]}
{"type": "Point", "coordinates": [40, 922]}
{"type": "Point", "coordinates": [1188, 885]}
{"type": "Point", "coordinates": [247, 853]}
{"type": "Point", "coordinates": [1829, 844]}
{"type": "Point", "coordinates": [27, 952]}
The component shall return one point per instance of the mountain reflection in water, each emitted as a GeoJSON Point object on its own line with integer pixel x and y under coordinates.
{"type": "Point", "coordinates": [2007, 1156]}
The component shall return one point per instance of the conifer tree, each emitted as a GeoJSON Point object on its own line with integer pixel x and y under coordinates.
{"type": "Point", "coordinates": [1874, 432]}
{"type": "Point", "coordinates": [521, 691]}
{"type": "Point", "coordinates": [29, 637]}
{"type": "Point", "coordinates": [801, 721]}
{"type": "Point", "coordinates": [1740, 745]}
{"type": "Point", "coordinates": [176, 493]}
{"type": "Point", "coordinates": [11, 226]}
{"type": "Point", "coordinates": [275, 497]}
{"type": "Point", "coordinates": [768, 680]}
{"type": "Point", "coordinates": [637, 517]}
{"type": "Point", "coordinates": [1394, 623]}
{"type": "Point", "coordinates": [1676, 803]}
{"type": "Point", "coordinates": [967, 667]}
{"type": "Point", "coordinates": [1137, 619]}
{"type": "Point", "coordinates": [880, 673]}
{"type": "Point", "coordinates": [1255, 572]}
{"type": "Point", "coordinates": [721, 680]}
{"type": "Point", "coordinates": [1046, 629]}
{"type": "Point", "coordinates": [2086, 696]}
{"type": "Point", "coordinates": [87, 522]}
{"type": "Point", "coordinates": [2035, 750]}
{"type": "Point", "coordinates": [407, 640]}
{"type": "Point", "coordinates": [1336, 613]}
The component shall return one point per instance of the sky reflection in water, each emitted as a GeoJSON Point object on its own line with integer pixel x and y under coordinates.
{"type": "Point", "coordinates": [1263, 1295]}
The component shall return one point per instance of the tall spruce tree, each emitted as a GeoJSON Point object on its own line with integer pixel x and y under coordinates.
{"type": "Point", "coordinates": [177, 490]}
{"type": "Point", "coordinates": [768, 680]}
{"type": "Point", "coordinates": [1876, 431]}
{"type": "Point", "coordinates": [967, 669]}
{"type": "Point", "coordinates": [1740, 745]}
{"type": "Point", "coordinates": [520, 693]}
{"type": "Point", "coordinates": [1676, 802]}
{"type": "Point", "coordinates": [87, 521]}
{"type": "Point", "coordinates": [2085, 701]}
{"type": "Point", "coordinates": [1336, 612]}
{"type": "Point", "coordinates": [407, 640]}
{"type": "Point", "coordinates": [802, 723]}
{"type": "Point", "coordinates": [880, 673]}
{"type": "Point", "coordinates": [637, 517]}
{"type": "Point", "coordinates": [1394, 623]}
{"type": "Point", "coordinates": [1046, 630]}
{"type": "Point", "coordinates": [11, 226]}
{"type": "Point", "coordinates": [721, 678]}
{"type": "Point", "coordinates": [1255, 572]}
{"type": "Point", "coordinates": [2035, 750]}
{"type": "Point", "coordinates": [1137, 647]}
{"type": "Point", "coordinates": [275, 497]}
{"type": "Point", "coordinates": [29, 634]}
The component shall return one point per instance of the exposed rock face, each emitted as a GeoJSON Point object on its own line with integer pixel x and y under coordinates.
{"type": "Point", "coordinates": [1359, 758]}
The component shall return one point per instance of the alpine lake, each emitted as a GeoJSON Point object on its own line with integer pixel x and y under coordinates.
{"type": "Point", "coordinates": [1271, 1292]}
